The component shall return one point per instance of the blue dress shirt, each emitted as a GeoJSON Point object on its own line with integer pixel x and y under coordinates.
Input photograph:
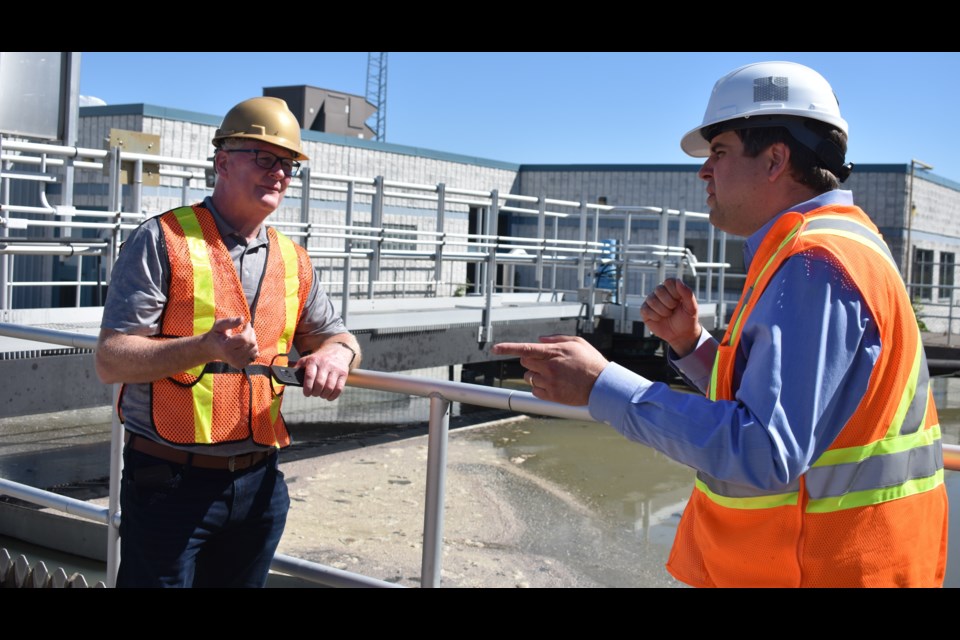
{"type": "Point", "coordinates": [804, 361]}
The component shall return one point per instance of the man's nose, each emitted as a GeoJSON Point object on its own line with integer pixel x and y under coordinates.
{"type": "Point", "coordinates": [706, 170]}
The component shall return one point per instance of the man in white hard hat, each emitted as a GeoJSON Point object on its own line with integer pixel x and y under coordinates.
{"type": "Point", "coordinates": [204, 299]}
{"type": "Point", "coordinates": [816, 443]}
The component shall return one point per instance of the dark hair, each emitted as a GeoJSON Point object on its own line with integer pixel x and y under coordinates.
{"type": "Point", "coordinates": [806, 166]}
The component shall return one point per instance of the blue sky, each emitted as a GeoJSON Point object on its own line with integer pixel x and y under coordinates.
{"type": "Point", "coordinates": [560, 107]}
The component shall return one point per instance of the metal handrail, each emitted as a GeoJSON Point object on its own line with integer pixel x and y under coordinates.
{"type": "Point", "coordinates": [434, 248]}
{"type": "Point", "coordinates": [441, 394]}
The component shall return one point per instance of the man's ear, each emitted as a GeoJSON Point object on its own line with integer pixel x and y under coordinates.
{"type": "Point", "coordinates": [778, 160]}
{"type": "Point", "coordinates": [219, 162]}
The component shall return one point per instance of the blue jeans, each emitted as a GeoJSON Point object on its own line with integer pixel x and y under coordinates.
{"type": "Point", "coordinates": [184, 526]}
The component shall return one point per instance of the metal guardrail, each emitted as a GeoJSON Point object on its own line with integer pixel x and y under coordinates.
{"type": "Point", "coordinates": [936, 304]}
{"type": "Point", "coordinates": [441, 394]}
{"type": "Point", "coordinates": [376, 247]}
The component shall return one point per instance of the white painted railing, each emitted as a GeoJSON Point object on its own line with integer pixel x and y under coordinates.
{"type": "Point", "coordinates": [427, 260]}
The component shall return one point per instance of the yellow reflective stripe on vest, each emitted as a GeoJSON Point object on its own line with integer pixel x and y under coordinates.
{"type": "Point", "coordinates": [875, 496]}
{"type": "Point", "coordinates": [769, 501]}
{"type": "Point", "coordinates": [204, 315]}
{"type": "Point", "coordinates": [886, 470]}
{"type": "Point", "coordinates": [735, 332]}
{"type": "Point", "coordinates": [204, 305]}
{"type": "Point", "coordinates": [291, 283]}
{"type": "Point", "coordinates": [910, 395]}
{"type": "Point", "coordinates": [203, 410]}
{"type": "Point", "coordinates": [879, 448]}
{"type": "Point", "coordinates": [712, 389]}
{"type": "Point", "coordinates": [897, 467]}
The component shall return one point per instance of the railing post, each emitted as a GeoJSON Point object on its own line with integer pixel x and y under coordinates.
{"type": "Point", "coordinates": [376, 221]}
{"type": "Point", "coordinates": [582, 266]}
{"type": "Point", "coordinates": [347, 249]}
{"type": "Point", "coordinates": [596, 231]}
{"type": "Point", "coordinates": [553, 270]}
{"type": "Point", "coordinates": [681, 239]}
{"type": "Point", "coordinates": [950, 320]}
{"type": "Point", "coordinates": [490, 277]}
{"type": "Point", "coordinates": [663, 241]}
{"type": "Point", "coordinates": [441, 237]}
{"type": "Point", "coordinates": [711, 237]}
{"type": "Point", "coordinates": [113, 501]}
{"type": "Point", "coordinates": [623, 282]}
{"type": "Point", "coordinates": [436, 488]}
{"type": "Point", "coordinates": [48, 232]}
{"type": "Point", "coordinates": [115, 197]}
{"type": "Point", "coordinates": [480, 273]}
{"type": "Point", "coordinates": [305, 206]}
{"type": "Point", "coordinates": [592, 287]}
{"type": "Point", "coordinates": [722, 290]}
{"type": "Point", "coordinates": [541, 238]}
{"type": "Point", "coordinates": [79, 286]}
{"type": "Point", "coordinates": [5, 260]}
{"type": "Point", "coordinates": [138, 187]}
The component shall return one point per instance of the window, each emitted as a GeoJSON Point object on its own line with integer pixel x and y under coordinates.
{"type": "Point", "coordinates": [922, 279]}
{"type": "Point", "coordinates": [946, 274]}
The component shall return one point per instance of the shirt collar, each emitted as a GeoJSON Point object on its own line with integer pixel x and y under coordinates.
{"type": "Point", "coordinates": [836, 197]}
{"type": "Point", "coordinates": [230, 235]}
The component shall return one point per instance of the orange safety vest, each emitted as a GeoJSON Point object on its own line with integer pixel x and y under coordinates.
{"type": "Point", "coordinates": [872, 509]}
{"type": "Point", "coordinates": [214, 403]}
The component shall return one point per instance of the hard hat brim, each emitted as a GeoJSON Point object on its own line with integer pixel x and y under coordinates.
{"type": "Point", "coordinates": [276, 141]}
{"type": "Point", "coordinates": [695, 145]}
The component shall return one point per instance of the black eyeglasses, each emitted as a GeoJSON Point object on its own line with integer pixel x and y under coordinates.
{"type": "Point", "coordinates": [267, 160]}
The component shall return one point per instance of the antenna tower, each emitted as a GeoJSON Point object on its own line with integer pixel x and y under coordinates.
{"type": "Point", "coordinates": [377, 92]}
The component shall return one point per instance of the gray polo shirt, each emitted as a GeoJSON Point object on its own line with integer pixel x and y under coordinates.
{"type": "Point", "coordinates": [138, 294]}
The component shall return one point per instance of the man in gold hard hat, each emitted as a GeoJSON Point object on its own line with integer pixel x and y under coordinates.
{"type": "Point", "coordinates": [204, 299]}
{"type": "Point", "coordinates": [816, 441]}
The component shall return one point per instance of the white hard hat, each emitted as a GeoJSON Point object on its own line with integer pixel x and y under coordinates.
{"type": "Point", "coordinates": [770, 89]}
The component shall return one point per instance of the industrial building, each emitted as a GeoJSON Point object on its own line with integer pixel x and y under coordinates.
{"type": "Point", "coordinates": [882, 190]}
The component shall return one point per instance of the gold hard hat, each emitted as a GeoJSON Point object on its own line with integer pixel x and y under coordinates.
{"type": "Point", "coordinates": [264, 118]}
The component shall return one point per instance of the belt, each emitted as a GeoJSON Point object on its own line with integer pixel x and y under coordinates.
{"type": "Point", "coordinates": [201, 460]}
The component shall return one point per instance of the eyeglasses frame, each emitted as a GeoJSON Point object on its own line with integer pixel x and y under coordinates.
{"type": "Point", "coordinates": [295, 165]}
